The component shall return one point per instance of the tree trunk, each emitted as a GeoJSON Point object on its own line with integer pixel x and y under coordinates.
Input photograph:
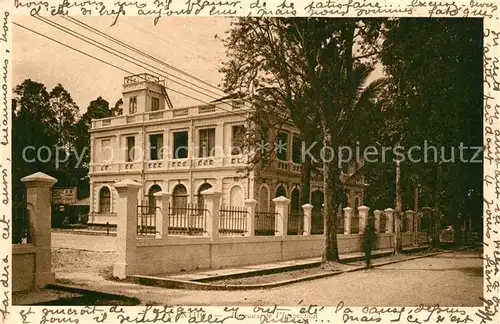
{"type": "Point", "coordinates": [305, 181]}
{"type": "Point", "coordinates": [416, 224]}
{"type": "Point", "coordinates": [398, 238]}
{"type": "Point", "coordinates": [331, 252]}
{"type": "Point", "coordinates": [435, 219]}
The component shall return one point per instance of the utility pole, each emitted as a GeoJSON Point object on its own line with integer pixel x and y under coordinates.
{"type": "Point", "coordinates": [415, 213]}
{"type": "Point", "coordinates": [398, 239]}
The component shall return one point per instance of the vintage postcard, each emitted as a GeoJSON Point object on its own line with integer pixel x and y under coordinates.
{"type": "Point", "coordinates": [278, 161]}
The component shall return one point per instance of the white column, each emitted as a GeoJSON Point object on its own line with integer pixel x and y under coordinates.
{"type": "Point", "coordinates": [347, 220]}
{"type": "Point", "coordinates": [38, 197]}
{"type": "Point", "coordinates": [126, 235]}
{"type": "Point", "coordinates": [376, 214]}
{"type": "Point", "coordinates": [251, 205]}
{"type": "Point", "coordinates": [389, 213]}
{"type": "Point", "coordinates": [162, 198]}
{"type": "Point", "coordinates": [212, 203]}
{"type": "Point", "coordinates": [363, 218]}
{"type": "Point", "coordinates": [281, 205]}
{"type": "Point", "coordinates": [307, 218]}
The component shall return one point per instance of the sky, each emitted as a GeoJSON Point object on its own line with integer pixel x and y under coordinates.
{"type": "Point", "coordinates": [188, 43]}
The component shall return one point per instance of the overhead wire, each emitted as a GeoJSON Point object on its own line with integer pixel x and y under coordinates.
{"type": "Point", "coordinates": [118, 67]}
{"type": "Point", "coordinates": [141, 52]}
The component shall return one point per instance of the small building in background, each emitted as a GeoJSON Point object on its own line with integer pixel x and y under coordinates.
{"type": "Point", "coordinates": [67, 209]}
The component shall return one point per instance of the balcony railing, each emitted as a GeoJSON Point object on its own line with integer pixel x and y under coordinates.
{"type": "Point", "coordinates": [239, 161]}
{"type": "Point", "coordinates": [179, 163]}
{"type": "Point", "coordinates": [170, 114]}
{"type": "Point", "coordinates": [143, 77]}
{"type": "Point", "coordinates": [283, 165]}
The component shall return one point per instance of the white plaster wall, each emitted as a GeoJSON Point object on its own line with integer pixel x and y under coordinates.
{"type": "Point", "coordinates": [23, 267]}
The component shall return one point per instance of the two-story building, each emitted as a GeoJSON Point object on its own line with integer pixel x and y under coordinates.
{"type": "Point", "coordinates": [185, 151]}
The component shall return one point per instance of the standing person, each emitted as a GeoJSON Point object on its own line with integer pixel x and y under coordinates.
{"type": "Point", "coordinates": [369, 239]}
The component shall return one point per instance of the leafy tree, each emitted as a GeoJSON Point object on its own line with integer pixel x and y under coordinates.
{"type": "Point", "coordinates": [117, 110]}
{"type": "Point", "coordinates": [436, 68]}
{"type": "Point", "coordinates": [312, 70]}
{"type": "Point", "coordinates": [66, 113]}
{"type": "Point", "coordinates": [98, 108]}
{"type": "Point", "coordinates": [33, 124]}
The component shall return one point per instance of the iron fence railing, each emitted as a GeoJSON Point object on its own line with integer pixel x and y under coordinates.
{"type": "Point", "coordinates": [317, 223]}
{"type": "Point", "coordinates": [425, 223]}
{"type": "Point", "coordinates": [355, 224]}
{"type": "Point", "coordinates": [383, 223]}
{"type": "Point", "coordinates": [295, 223]}
{"type": "Point", "coordinates": [146, 220]}
{"type": "Point", "coordinates": [232, 219]}
{"type": "Point", "coordinates": [265, 222]}
{"type": "Point", "coordinates": [21, 230]}
{"type": "Point", "coordinates": [340, 223]}
{"type": "Point", "coordinates": [188, 219]}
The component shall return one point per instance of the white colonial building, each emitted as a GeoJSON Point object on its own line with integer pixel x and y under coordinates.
{"type": "Point", "coordinates": [185, 151]}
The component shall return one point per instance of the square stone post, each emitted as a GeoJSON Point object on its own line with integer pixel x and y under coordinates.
{"type": "Point", "coordinates": [376, 214]}
{"type": "Point", "coordinates": [126, 232]}
{"type": "Point", "coordinates": [281, 205]}
{"type": "Point", "coordinates": [250, 205]}
{"type": "Point", "coordinates": [389, 213]}
{"type": "Point", "coordinates": [409, 220]}
{"type": "Point", "coordinates": [307, 218]}
{"type": "Point", "coordinates": [162, 217]}
{"type": "Point", "coordinates": [39, 197]}
{"type": "Point", "coordinates": [363, 218]}
{"type": "Point", "coordinates": [347, 220]}
{"type": "Point", "coordinates": [212, 203]}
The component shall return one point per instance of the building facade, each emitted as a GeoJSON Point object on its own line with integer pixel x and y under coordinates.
{"type": "Point", "coordinates": [184, 151]}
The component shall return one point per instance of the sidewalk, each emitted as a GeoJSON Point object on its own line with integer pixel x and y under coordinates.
{"type": "Point", "coordinates": [317, 291]}
{"type": "Point", "coordinates": [201, 279]}
{"type": "Point", "coordinates": [157, 293]}
{"type": "Point", "coordinates": [268, 268]}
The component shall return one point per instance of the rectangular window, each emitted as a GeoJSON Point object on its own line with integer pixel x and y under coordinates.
{"type": "Point", "coordinates": [180, 145]}
{"type": "Point", "coordinates": [296, 149]}
{"type": "Point", "coordinates": [156, 147]}
{"type": "Point", "coordinates": [155, 104]}
{"type": "Point", "coordinates": [207, 142]}
{"type": "Point", "coordinates": [282, 146]}
{"type": "Point", "coordinates": [238, 139]}
{"type": "Point", "coordinates": [106, 150]}
{"type": "Point", "coordinates": [132, 105]}
{"type": "Point", "coordinates": [130, 149]}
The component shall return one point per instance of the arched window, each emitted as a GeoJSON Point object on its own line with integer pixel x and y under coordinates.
{"type": "Point", "coordinates": [280, 191]}
{"type": "Point", "coordinates": [104, 200]}
{"type": "Point", "coordinates": [236, 196]}
{"type": "Point", "coordinates": [151, 198]}
{"type": "Point", "coordinates": [201, 199]}
{"type": "Point", "coordinates": [179, 196]}
{"type": "Point", "coordinates": [263, 198]}
{"type": "Point", "coordinates": [295, 201]}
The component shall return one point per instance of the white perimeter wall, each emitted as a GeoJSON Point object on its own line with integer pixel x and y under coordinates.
{"type": "Point", "coordinates": [155, 256]}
